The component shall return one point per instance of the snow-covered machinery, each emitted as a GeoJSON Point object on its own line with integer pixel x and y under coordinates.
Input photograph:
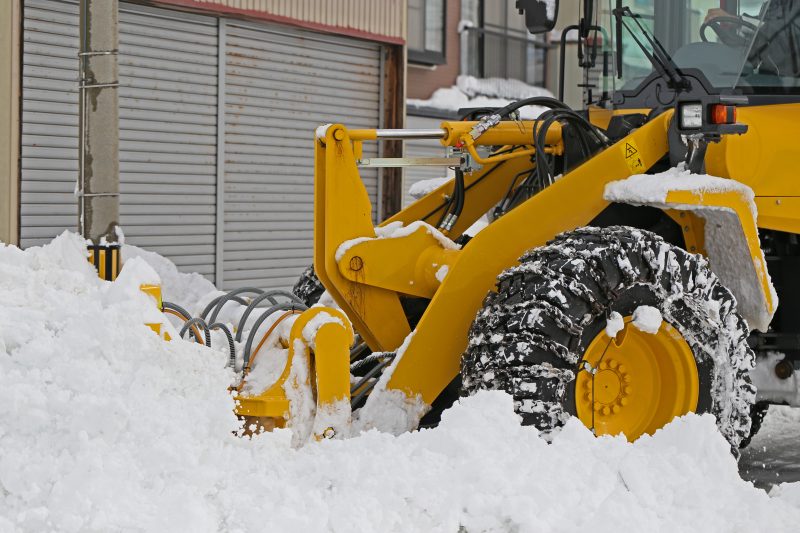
{"type": "Point", "coordinates": [624, 265]}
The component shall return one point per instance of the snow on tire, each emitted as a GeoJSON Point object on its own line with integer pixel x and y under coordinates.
{"type": "Point", "coordinates": [530, 335]}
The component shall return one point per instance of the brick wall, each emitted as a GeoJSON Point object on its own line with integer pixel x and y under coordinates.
{"type": "Point", "coordinates": [422, 79]}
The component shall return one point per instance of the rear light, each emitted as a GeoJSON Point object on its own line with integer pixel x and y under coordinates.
{"type": "Point", "coordinates": [723, 114]}
{"type": "Point", "coordinates": [691, 116]}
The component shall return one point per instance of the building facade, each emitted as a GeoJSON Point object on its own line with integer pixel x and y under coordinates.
{"type": "Point", "coordinates": [475, 38]}
{"type": "Point", "coordinates": [218, 101]}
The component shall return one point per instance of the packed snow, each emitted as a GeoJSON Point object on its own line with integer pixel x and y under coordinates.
{"type": "Point", "coordinates": [652, 189]}
{"type": "Point", "coordinates": [184, 289]}
{"type": "Point", "coordinates": [422, 188]}
{"type": "Point", "coordinates": [647, 319]}
{"type": "Point", "coordinates": [614, 324]}
{"type": "Point", "coordinates": [483, 92]}
{"type": "Point", "coordinates": [108, 428]}
{"type": "Point", "coordinates": [395, 230]}
{"type": "Point", "coordinates": [441, 273]}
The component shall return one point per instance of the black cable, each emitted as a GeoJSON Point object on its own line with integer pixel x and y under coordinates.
{"type": "Point", "coordinates": [460, 188]}
{"type": "Point", "coordinates": [544, 101]}
{"type": "Point", "coordinates": [468, 187]}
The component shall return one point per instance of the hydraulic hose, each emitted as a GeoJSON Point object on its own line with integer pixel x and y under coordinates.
{"type": "Point", "coordinates": [294, 306]}
{"type": "Point", "coordinates": [268, 295]}
{"type": "Point", "coordinates": [217, 303]}
{"type": "Point", "coordinates": [200, 323]}
{"type": "Point", "coordinates": [232, 347]}
{"type": "Point", "coordinates": [544, 101]}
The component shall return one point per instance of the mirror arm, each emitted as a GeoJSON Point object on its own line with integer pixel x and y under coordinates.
{"type": "Point", "coordinates": [561, 67]}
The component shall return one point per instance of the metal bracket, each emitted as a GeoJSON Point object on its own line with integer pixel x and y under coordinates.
{"type": "Point", "coordinates": [387, 162]}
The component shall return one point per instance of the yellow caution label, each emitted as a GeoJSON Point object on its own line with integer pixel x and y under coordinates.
{"type": "Point", "coordinates": [632, 157]}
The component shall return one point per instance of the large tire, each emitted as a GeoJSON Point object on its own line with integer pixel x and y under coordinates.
{"type": "Point", "coordinates": [308, 287]}
{"type": "Point", "coordinates": [531, 334]}
{"type": "Point", "coordinates": [757, 415]}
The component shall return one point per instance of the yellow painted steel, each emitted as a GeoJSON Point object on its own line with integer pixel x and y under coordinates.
{"type": "Point", "coordinates": [740, 205]}
{"type": "Point", "coordinates": [520, 132]}
{"type": "Point", "coordinates": [329, 356]}
{"type": "Point", "coordinates": [154, 291]}
{"type": "Point", "coordinates": [509, 132]}
{"type": "Point", "coordinates": [641, 381]}
{"type": "Point", "coordinates": [433, 355]}
{"type": "Point", "coordinates": [779, 213]}
{"type": "Point", "coordinates": [368, 288]}
{"type": "Point", "coordinates": [342, 211]}
{"type": "Point", "coordinates": [765, 157]}
{"type": "Point", "coordinates": [331, 353]}
{"type": "Point", "coordinates": [484, 189]}
{"type": "Point", "coordinates": [693, 228]}
{"type": "Point", "coordinates": [407, 265]}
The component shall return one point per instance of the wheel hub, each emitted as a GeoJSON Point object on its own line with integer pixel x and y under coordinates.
{"type": "Point", "coordinates": [638, 381]}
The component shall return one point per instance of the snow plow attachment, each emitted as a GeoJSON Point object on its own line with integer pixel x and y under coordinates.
{"type": "Point", "coordinates": [313, 390]}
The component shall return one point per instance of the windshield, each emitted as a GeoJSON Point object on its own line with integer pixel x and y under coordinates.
{"type": "Point", "coordinates": [750, 45]}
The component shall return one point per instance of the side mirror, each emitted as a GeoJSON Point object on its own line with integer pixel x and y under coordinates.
{"type": "Point", "coordinates": [540, 15]}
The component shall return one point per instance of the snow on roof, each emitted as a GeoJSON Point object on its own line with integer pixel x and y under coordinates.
{"type": "Point", "coordinates": [482, 92]}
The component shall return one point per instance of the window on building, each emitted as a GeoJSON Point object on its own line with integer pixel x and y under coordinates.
{"type": "Point", "coordinates": [426, 31]}
{"type": "Point", "coordinates": [507, 50]}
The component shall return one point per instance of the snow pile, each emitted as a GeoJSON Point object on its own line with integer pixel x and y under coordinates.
{"type": "Point", "coordinates": [652, 189]}
{"type": "Point", "coordinates": [395, 230]}
{"type": "Point", "coordinates": [487, 92]}
{"type": "Point", "coordinates": [177, 287]}
{"type": "Point", "coordinates": [105, 427]}
{"type": "Point", "coordinates": [422, 188]}
{"type": "Point", "coordinates": [614, 324]}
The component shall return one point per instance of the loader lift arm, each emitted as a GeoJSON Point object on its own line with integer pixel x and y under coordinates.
{"type": "Point", "coordinates": [343, 213]}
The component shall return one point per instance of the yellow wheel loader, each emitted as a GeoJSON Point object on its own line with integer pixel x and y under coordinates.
{"type": "Point", "coordinates": [634, 256]}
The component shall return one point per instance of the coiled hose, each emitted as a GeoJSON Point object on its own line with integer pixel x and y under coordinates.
{"type": "Point", "coordinates": [196, 324]}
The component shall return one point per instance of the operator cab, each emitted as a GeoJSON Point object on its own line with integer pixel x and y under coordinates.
{"type": "Point", "coordinates": [645, 53]}
{"type": "Point", "coordinates": [748, 47]}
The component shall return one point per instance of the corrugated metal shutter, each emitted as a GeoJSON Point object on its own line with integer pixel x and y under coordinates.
{"type": "Point", "coordinates": [49, 149]}
{"type": "Point", "coordinates": [383, 17]}
{"type": "Point", "coordinates": [168, 134]}
{"type": "Point", "coordinates": [280, 85]}
{"type": "Point", "coordinates": [421, 148]}
{"type": "Point", "coordinates": [167, 128]}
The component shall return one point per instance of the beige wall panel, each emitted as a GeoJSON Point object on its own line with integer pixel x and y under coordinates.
{"type": "Point", "coordinates": [373, 18]}
{"type": "Point", "coordinates": [9, 120]}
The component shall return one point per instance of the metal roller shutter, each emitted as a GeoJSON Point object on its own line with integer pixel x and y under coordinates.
{"type": "Point", "coordinates": [168, 86]}
{"type": "Point", "coordinates": [281, 84]}
{"type": "Point", "coordinates": [49, 152]}
{"type": "Point", "coordinates": [421, 148]}
{"type": "Point", "coordinates": [168, 134]}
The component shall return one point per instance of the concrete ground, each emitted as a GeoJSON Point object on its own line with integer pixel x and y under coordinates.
{"type": "Point", "coordinates": [774, 455]}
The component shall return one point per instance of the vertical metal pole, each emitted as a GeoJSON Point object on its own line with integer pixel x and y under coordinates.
{"type": "Point", "coordinates": [219, 221]}
{"type": "Point", "coordinates": [98, 183]}
{"type": "Point", "coordinates": [10, 28]}
{"type": "Point", "coordinates": [381, 124]}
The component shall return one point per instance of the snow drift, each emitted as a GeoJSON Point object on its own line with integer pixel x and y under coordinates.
{"type": "Point", "coordinates": [104, 427]}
